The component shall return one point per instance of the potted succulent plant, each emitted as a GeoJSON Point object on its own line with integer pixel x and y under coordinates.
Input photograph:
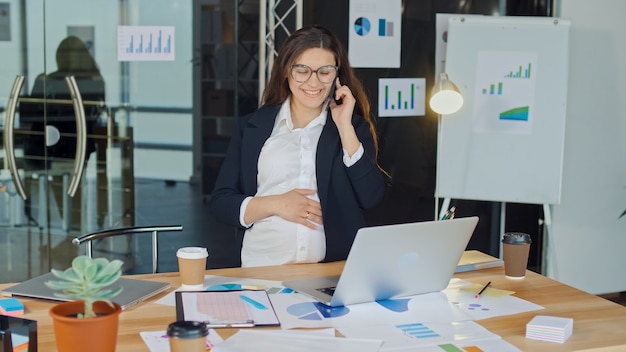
{"type": "Point", "coordinates": [90, 320]}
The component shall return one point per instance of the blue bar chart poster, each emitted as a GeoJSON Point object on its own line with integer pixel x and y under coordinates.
{"type": "Point", "coordinates": [374, 33]}
{"type": "Point", "coordinates": [399, 97]}
{"type": "Point", "coordinates": [145, 43]}
{"type": "Point", "coordinates": [504, 94]}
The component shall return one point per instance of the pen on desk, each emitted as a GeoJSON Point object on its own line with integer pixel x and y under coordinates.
{"type": "Point", "coordinates": [482, 289]}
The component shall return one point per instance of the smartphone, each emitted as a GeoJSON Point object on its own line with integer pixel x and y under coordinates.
{"type": "Point", "coordinates": [332, 92]}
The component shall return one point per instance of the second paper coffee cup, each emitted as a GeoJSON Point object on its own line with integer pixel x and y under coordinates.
{"type": "Point", "coordinates": [515, 250]}
{"type": "Point", "coordinates": [191, 266]}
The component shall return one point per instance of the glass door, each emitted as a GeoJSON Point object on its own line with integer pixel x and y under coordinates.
{"type": "Point", "coordinates": [77, 77]}
{"type": "Point", "coordinates": [36, 213]}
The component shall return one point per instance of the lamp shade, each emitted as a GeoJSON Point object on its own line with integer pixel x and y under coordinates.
{"type": "Point", "coordinates": [446, 98]}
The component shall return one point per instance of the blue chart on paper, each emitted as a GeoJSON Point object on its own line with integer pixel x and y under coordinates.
{"type": "Point", "coordinates": [319, 311]}
{"type": "Point", "coordinates": [395, 305]}
{"type": "Point", "coordinates": [362, 26]}
{"type": "Point", "coordinates": [316, 311]}
{"type": "Point", "coordinates": [224, 287]}
{"type": "Point", "coordinates": [418, 331]}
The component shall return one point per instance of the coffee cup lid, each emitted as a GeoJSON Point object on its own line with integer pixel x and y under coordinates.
{"type": "Point", "coordinates": [192, 253]}
{"type": "Point", "coordinates": [516, 238]}
{"type": "Point", "coordinates": [187, 329]}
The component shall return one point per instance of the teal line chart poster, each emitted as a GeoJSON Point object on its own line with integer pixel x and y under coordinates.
{"type": "Point", "coordinates": [504, 92]}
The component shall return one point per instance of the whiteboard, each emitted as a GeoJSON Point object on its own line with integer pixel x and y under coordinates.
{"type": "Point", "coordinates": [506, 142]}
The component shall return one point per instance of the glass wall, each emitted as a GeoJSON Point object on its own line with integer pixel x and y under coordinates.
{"type": "Point", "coordinates": [96, 94]}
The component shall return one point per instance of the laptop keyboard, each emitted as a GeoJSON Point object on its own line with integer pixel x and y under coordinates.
{"type": "Point", "coordinates": [327, 290]}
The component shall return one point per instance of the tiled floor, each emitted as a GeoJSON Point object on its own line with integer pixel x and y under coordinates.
{"type": "Point", "coordinates": [160, 203]}
{"type": "Point", "coordinates": [24, 250]}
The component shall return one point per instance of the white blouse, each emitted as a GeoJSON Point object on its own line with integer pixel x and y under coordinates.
{"type": "Point", "coordinates": [287, 161]}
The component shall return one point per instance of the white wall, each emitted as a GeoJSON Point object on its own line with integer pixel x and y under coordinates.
{"type": "Point", "coordinates": [587, 240]}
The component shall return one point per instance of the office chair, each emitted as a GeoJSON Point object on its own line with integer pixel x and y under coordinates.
{"type": "Point", "coordinates": [88, 238]}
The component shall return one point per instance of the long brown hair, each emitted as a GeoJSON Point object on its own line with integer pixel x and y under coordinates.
{"type": "Point", "coordinates": [277, 89]}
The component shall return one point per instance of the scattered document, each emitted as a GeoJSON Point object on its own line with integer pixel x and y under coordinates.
{"type": "Point", "coordinates": [488, 292]}
{"type": "Point", "coordinates": [463, 336]}
{"type": "Point", "coordinates": [485, 306]}
{"type": "Point", "coordinates": [456, 303]}
{"type": "Point", "coordinates": [276, 340]}
{"type": "Point", "coordinates": [300, 311]}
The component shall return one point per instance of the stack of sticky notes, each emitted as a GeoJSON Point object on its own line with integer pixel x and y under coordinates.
{"type": "Point", "coordinates": [11, 306]}
{"type": "Point", "coordinates": [547, 328]}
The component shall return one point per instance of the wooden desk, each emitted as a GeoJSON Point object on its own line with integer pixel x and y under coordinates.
{"type": "Point", "coordinates": [599, 324]}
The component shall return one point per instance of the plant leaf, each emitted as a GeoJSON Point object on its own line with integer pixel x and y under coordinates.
{"type": "Point", "coordinates": [91, 271]}
{"type": "Point", "coordinates": [80, 263]}
{"type": "Point", "coordinates": [67, 275]}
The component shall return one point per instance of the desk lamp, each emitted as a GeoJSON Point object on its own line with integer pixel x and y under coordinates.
{"type": "Point", "coordinates": [445, 99]}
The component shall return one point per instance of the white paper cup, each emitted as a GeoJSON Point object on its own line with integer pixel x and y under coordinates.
{"type": "Point", "coordinates": [191, 266]}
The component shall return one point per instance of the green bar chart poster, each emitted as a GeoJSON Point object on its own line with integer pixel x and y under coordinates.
{"type": "Point", "coordinates": [504, 92]}
{"type": "Point", "coordinates": [401, 97]}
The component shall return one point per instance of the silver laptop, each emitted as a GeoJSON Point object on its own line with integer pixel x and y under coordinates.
{"type": "Point", "coordinates": [394, 261]}
{"type": "Point", "coordinates": [134, 291]}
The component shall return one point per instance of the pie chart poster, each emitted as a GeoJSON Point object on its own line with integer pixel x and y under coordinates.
{"type": "Point", "coordinates": [374, 33]}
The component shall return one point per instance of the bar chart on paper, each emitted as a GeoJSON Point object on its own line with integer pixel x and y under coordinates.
{"type": "Point", "coordinates": [401, 97]}
{"type": "Point", "coordinates": [505, 91]}
{"type": "Point", "coordinates": [145, 43]}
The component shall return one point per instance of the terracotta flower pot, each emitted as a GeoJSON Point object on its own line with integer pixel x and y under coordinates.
{"type": "Point", "coordinates": [97, 334]}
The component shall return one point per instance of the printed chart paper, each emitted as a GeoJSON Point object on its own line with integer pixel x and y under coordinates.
{"type": "Point", "coordinates": [455, 336]}
{"type": "Point", "coordinates": [145, 43]}
{"type": "Point", "coordinates": [374, 34]}
{"type": "Point", "coordinates": [401, 97]}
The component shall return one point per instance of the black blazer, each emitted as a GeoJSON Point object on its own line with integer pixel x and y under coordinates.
{"type": "Point", "coordinates": [343, 191]}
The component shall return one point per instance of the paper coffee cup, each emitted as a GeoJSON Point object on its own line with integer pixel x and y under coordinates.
{"type": "Point", "coordinates": [191, 267]}
{"type": "Point", "coordinates": [187, 336]}
{"type": "Point", "coordinates": [515, 251]}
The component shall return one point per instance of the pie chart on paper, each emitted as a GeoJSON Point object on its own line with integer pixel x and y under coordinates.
{"type": "Point", "coordinates": [362, 26]}
{"type": "Point", "coordinates": [316, 311]}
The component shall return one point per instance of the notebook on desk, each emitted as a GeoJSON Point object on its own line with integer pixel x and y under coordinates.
{"type": "Point", "coordinates": [394, 261]}
{"type": "Point", "coordinates": [134, 291]}
{"type": "Point", "coordinates": [476, 260]}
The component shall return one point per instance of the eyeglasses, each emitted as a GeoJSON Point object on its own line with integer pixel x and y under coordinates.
{"type": "Point", "coordinates": [301, 73]}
